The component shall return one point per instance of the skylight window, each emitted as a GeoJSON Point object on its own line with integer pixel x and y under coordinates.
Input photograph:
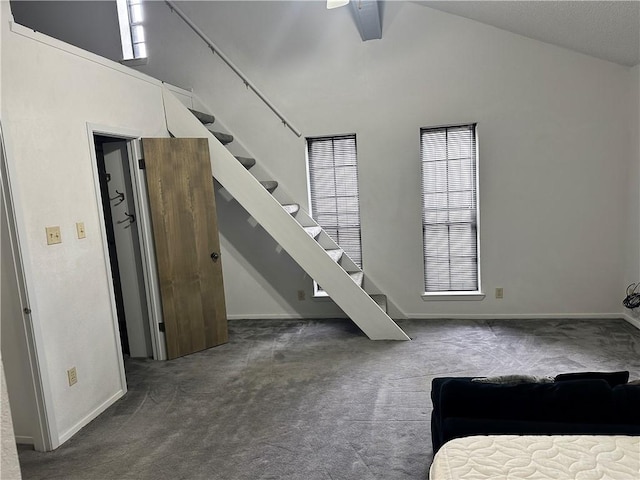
{"type": "Point", "coordinates": [131, 18]}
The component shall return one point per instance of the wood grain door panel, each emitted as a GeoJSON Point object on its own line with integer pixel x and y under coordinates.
{"type": "Point", "coordinates": [185, 233]}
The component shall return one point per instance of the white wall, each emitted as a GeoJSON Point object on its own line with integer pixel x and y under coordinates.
{"type": "Point", "coordinates": [47, 103]}
{"type": "Point", "coordinates": [553, 144]}
{"type": "Point", "coordinates": [632, 257]}
{"type": "Point", "coordinates": [635, 140]}
{"type": "Point", "coordinates": [261, 281]}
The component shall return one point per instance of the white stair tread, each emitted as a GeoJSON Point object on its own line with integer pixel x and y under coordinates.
{"type": "Point", "coordinates": [335, 254]}
{"type": "Point", "coordinates": [313, 231]}
{"type": "Point", "coordinates": [291, 208]}
{"type": "Point", "coordinates": [357, 277]}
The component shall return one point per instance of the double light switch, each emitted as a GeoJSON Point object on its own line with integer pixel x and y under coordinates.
{"type": "Point", "coordinates": [54, 236]}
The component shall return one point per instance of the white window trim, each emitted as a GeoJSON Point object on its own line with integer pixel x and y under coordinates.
{"type": "Point", "coordinates": [125, 29]}
{"type": "Point", "coordinates": [317, 293]}
{"type": "Point", "coordinates": [453, 296]}
{"type": "Point", "coordinates": [467, 294]}
{"type": "Point", "coordinates": [134, 62]}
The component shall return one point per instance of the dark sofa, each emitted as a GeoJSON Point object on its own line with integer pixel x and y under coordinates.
{"type": "Point", "coordinates": [581, 404]}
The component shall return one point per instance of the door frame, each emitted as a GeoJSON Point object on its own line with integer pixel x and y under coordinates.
{"type": "Point", "coordinates": [147, 249]}
{"type": "Point", "coordinates": [145, 234]}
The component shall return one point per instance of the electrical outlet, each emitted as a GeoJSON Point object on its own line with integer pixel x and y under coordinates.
{"type": "Point", "coordinates": [80, 230]}
{"type": "Point", "coordinates": [499, 292]}
{"type": "Point", "coordinates": [72, 375]}
{"type": "Point", "coordinates": [53, 235]}
{"type": "Point", "coordinates": [301, 295]}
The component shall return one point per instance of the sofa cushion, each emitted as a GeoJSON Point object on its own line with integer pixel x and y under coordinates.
{"type": "Point", "coordinates": [566, 401]}
{"type": "Point", "coordinates": [612, 378]}
{"type": "Point", "coordinates": [513, 379]}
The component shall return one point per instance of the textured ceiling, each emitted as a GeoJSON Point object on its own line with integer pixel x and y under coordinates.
{"type": "Point", "coordinates": [607, 30]}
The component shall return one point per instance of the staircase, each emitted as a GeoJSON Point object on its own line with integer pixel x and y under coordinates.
{"type": "Point", "coordinates": [293, 229]}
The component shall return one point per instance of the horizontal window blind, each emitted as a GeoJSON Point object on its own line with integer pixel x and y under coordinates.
{"type": "Point", "coordinates": [333, 181]}
{"type": "Point", "coordinates": [449, 200]}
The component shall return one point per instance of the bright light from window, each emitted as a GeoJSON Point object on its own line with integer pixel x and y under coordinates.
{"type": "Point", "coordinates": [130, 17]}
{"type": "Point", "coordinates": [135, 11]}
{"type": "Point", "coordinates": [336, 3]}
{"type": "Point", "coordinates": [140, 50]}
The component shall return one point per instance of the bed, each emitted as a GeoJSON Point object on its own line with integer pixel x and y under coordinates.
{"type": "Point", "coordinates": [534, 457]}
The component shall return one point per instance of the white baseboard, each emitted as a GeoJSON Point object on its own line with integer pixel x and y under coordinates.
{"type": "Point", "coordinates": [24, 440]}
{"type": "Point", "coordinates": [633, 321]}
{"type": "Point", "coordinates": [283, 316]}
{"type": "Point", "coordinates": [88, 418]}
{"type": "Point", "coordinates": [448, 316]}
{"type": "Point", "coordinates": [515, 316]}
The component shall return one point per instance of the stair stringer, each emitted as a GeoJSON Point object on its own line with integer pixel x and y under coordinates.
{"type": "Point", "coordinates": [284, 229]}
{"type": "Point", "coordinates": [259, 170]}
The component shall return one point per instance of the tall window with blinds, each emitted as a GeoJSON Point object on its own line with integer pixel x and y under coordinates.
{"type": "Point", "coordinates": [450, 208]}
{"type": "Point", "coordinates": [333, 182]}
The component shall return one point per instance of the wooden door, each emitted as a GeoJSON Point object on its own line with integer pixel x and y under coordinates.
{"type": "Point", "coordinates": [185, 231]}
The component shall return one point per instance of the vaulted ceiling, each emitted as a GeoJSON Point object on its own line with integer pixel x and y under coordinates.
{"type": "Point", "coordinates": [605, 29]}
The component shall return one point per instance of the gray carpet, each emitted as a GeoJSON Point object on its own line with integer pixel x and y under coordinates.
{"type": "Point", "coordinates": [314, 400]}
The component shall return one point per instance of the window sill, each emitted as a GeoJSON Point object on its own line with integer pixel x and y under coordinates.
{"type": "Point", "coordinates": [134, 62]}
{"type": "Point", "coordinates": [452, 296]}
{"type": "Point", "coordinates": [321, 295]}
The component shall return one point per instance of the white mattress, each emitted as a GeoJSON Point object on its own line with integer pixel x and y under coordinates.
{"type": "Point", "coordinates": [534, 457]}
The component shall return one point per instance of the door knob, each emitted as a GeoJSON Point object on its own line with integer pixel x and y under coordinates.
{"type": "Point", "coordinates": [215, 256]}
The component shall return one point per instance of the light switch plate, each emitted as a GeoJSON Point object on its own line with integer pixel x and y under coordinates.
{"type": "Point", "coordinates": [53, 235]}
{"type": "Point", "coordinates": [80, 229]}
{"type": "Point", "coordinates": [72, 376]}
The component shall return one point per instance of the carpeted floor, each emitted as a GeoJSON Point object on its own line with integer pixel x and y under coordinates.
{"type": "Point", "coordinates": [314, 400]}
